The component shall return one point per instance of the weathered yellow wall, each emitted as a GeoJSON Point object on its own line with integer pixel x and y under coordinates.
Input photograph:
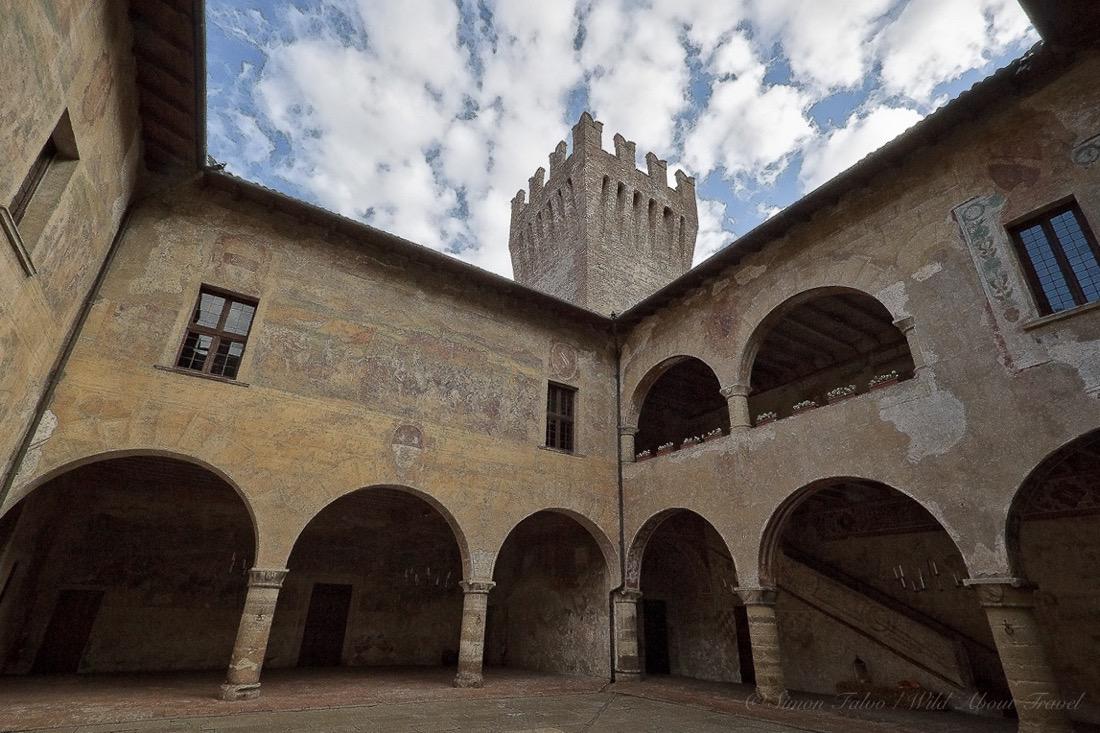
{"type": "Point", "coordinates": [347, 345]}
{"type": "Point", "coordinates": [993, 397]}
{"type": "Point", "coordinates": [60, 56]}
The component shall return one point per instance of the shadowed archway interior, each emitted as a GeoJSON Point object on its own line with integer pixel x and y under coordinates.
{"type": "Point", "coordinates": [684, 402]}
{"type": "Point", "coordinates": [374, 581]}
{"type": "Point", "coordinates": [690, 621]}
{"type": "Point", "coordinates": [872, 601]}
{"type": "Point", "coordinates": [126, 564]}
{"type": "Point", "coordinates": [1054, 537]}
{"type": "Point", "coordinates": [823, 341]}
{"type": "Point", "coordinates": [549, 611]}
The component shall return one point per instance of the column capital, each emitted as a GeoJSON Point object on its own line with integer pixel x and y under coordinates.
{"type": "Point", "coordinates": [628, 595]}
{"type": "Point", "coordinates": [734, 390]}
{"type": "Point", "coordinates": [266, 577]}
{"type": "Point", "coordinates": [1003, 592]}
{"type": "Point", "coordinates": [627, 429]}
{"type": "Point", "coordinates": [476, 586]}
{"type": "Point", "coordinates": [757, 595]}
{"type": "Point", "coordinates": [904, 324]}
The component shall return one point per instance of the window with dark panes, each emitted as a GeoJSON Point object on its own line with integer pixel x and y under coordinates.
{"type": "Point", "coordinates": [560, 406]}
{"type": "Point", "coordinates": [216, 336]}
{"type": "Point", "coordinates": [1060, 257]}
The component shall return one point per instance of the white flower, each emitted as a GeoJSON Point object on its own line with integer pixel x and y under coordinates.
{"type": "Point", "coordinates": [844, 391]}
{"type": "Point", "coordinates": [804, 405]}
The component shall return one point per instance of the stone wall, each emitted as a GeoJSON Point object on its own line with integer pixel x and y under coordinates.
{"type": "Point", "coordinates": [74, 60]}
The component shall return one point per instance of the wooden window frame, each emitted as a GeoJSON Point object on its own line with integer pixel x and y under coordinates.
{"type": "Point", "coordinates": [1042, 218]}
{"type": "Point", "coordinates": [218, 332]}
{"type": "Point", "coordinates": [561, 419]}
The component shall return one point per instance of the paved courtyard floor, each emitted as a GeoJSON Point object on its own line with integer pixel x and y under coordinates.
{"type": "Point", "coordinates": [407, 700]}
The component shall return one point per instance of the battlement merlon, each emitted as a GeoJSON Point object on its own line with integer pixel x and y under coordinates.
{"type": "Point", "coordinates": [536, 182]}
{"type": "Point", "coordinates": [625, 150]}
{"type": "Point", "coordinates": [657, 169]}
{"type": "Point", "coordinates": [557, 158]}
{"type": "Point", "coordinates": [519, 203]}
{"type": "Point", "coordinates": [685, 185]}
{"type": "Point", "coordinates": [587, 135]}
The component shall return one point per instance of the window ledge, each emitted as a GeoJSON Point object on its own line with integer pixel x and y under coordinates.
{"type": "Point", "coordinates": [559, 451]}
{"type": "Point", "coordinates": [1068, 313]}
{"type": "Point", "coordinates": [200, 375]}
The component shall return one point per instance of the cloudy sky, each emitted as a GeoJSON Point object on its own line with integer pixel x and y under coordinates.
{"type": "Point", "coordinates": [423, 117]}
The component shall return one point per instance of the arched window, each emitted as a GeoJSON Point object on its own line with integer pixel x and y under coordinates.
{"type": "Point", "coordinates": [824, 348]}
{"type": "Point", "coordinates": [685, 401]}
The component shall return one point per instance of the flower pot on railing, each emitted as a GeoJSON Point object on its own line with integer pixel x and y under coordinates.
{"type": "Point", "coordinates": [712, 435]}
{"type": "Point", "coordinates": [803, 406]}
{"type": "Point", "coordinates": [766, 417]}
{"type": "Point", "coordinates": [643, 456]}
{"type": "Point", "coordinates": [839, 394]}
{"type": "Point", "coordinates": [883, 380]}
{"type": "Point", "coordinates": [665, 448]}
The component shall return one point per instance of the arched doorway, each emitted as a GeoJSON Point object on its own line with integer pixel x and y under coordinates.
{"type": "Point", "coordinates": [872, 600]}
{"type": "Point", "coordinates": [124, 564]}
{"type": "Point", "coordinates": [1054, 541]}
{"type": "Point", "coordinates": [549, 610]}
{"type": "Point", "coordinates": [690, 621]}
{"type": "Point", "coordinates": [374, 581]}
{"type": "Point", "coordinates": [822, 341]}
{"type": "Point", "coordinates": [683, 400]}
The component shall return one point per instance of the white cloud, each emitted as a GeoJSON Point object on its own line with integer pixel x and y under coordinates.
{"type": "Point", "coordinates": [749, 128]}
{"type": "Point", "coordinates": [423, 117]}
{"type": "Point", "coordinates": [714, 229]}
{"type": "Point", "coordinates": [935, 41]}
{"type": "Point", "coordinates": [861, 135]}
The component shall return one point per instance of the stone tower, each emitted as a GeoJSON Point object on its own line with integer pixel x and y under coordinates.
{"type": "Point", "coordinates": [599, 232]}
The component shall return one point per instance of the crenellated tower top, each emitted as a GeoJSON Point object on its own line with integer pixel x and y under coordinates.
{"type": "Point", "coordinates": [598, 231]}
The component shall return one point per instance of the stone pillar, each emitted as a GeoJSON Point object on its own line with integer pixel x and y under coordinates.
{"type": "Point", "coordinates": [905, 325]}
{"type": "Point", "coordinates": [627, 434]}
{"type": "Point", "coordinates": [242, 682]}
{"type": "Point", "coordinates": [628, 658]}
{"type": "Point", "coordinates": [471, 647]}
{"type": "Point", "coordinates": [764, 636]}
{"type": "Point", "coordinates": [1009, 605]}
{"type": "Point", "coordinates": [737, 395]}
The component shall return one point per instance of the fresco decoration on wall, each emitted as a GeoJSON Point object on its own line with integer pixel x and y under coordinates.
{"type": "Point", "coordinates": [1087, 152]}
{"type": "Point", "coordinates": [983, 232]}
{"type": "Point", "coordinates": [563, 361]}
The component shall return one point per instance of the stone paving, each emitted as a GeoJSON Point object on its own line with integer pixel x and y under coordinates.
{"type": "Point", "coordinates": [399, 700]}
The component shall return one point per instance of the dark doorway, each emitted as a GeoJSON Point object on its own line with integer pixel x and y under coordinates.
{"type": "Point", "coordinates": [68, 632]}
{"type": "Point", "coordinates": [323, 638]}
{"type": "Point", "coordinates": [655, 614]}
{"type": "Point", "coordinates": [744, 646]}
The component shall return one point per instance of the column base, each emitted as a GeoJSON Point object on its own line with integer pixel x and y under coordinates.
{"type": "Point", "coordinates": [233, 692]}
{"type": "Point", "coordinates": [468, 679]}
{"type": "Point", "coordinates": [772, 695]}
{"type": "Point", "coordinates": [627, 676]}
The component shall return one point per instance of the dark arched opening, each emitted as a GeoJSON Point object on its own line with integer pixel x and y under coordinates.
{"type": "Point", "coordinates": [125, 564]}
{"type": "Point", "coordinates": [822, 347]}
{"type": "Point", "coordinates": [684, 402]}
{"type": "Point", "coordinates": [549, 610]}
{"type": "Point", "coordinates": [872, 600]}
{"type": "Point", "coordinates": [374, 581]}
{"type": "Point", "coordinates": [690, 624]}
{"type": "Point", "coordinates": [1054, 540]}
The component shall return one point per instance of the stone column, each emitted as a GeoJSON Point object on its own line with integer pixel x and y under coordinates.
{"type": "Point", "coordinates": [628, 658]}
{"type": "Point", "coordinates": [737, 395]}
{"type": "Point", "coordinates": [764, 636]}
{"type": "Point", "coordinates": [1009, 605]}
{"type": "Point", "coordinates": [471, 647]}
{"type": "Point", "coordinates": [905, 325]}
{"type": "Point", "coordinates": [627, 434]}
{"type": "Point", "coordinates": [242, 682]}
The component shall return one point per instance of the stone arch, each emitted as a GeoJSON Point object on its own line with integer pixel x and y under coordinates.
{"type": "Point", "coordinates": [126, 561]}
{"type": "Point", "coordinates": [636, 552]}
{"type": "Point", "coordinates": [819, 340]}
{"type": "Point", "coordinates": [851, 553]}
{"type": "Point", "coordinates": [607, 548]}
{"type": "Point", "coordinates": [773, 529]}
{"type": "Point", "coordinates": [679, 398]}
{"type": "Point", "coordinates": [44, 478]}
{"type": "Point", "coordinates": [432, 501]}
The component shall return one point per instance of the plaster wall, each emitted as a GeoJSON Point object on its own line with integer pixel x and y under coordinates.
{"type": "Point", "coordinates": [360, 370]}
{"type": "Point", "coordinates": [59, 57]}
{"type": "Point", "coordinates": [992, 396]}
